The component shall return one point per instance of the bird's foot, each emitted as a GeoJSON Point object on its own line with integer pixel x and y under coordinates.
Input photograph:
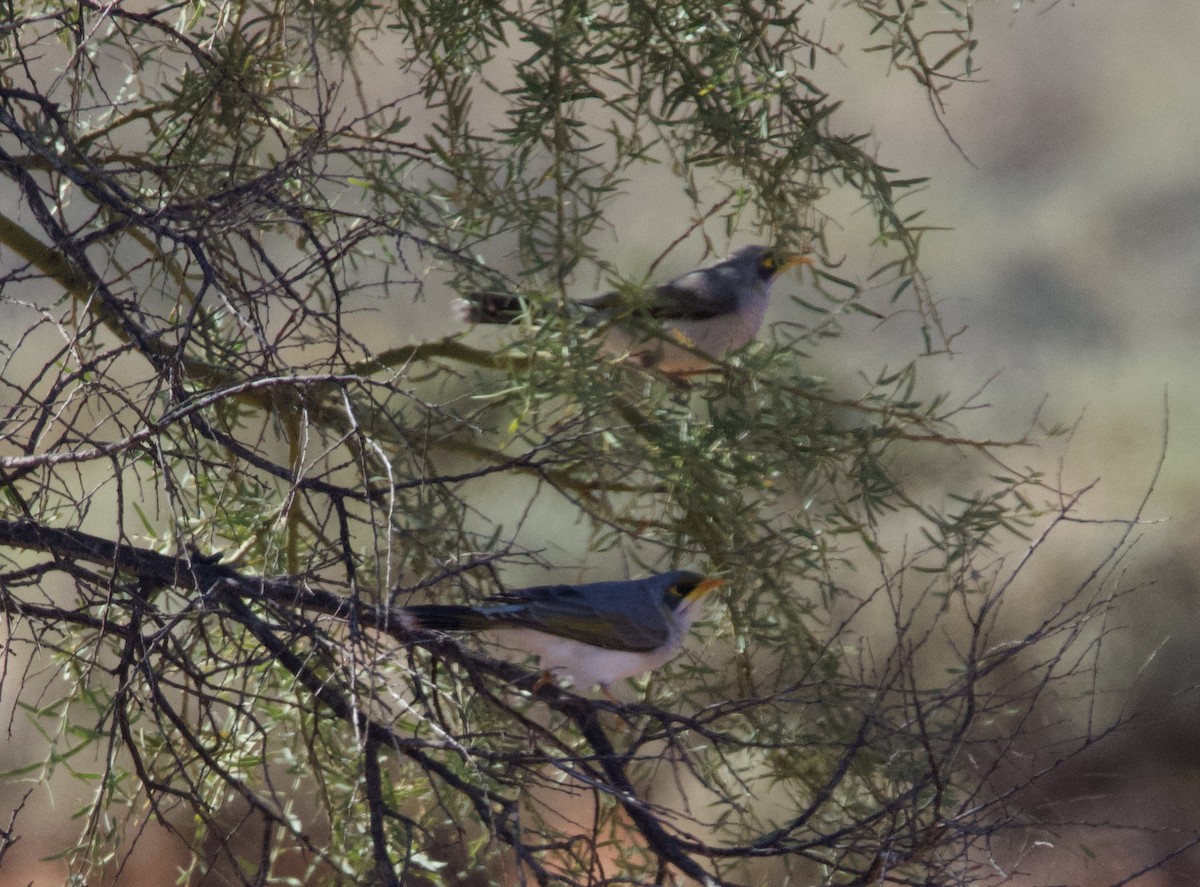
{"type": "Point", "coordinates": [546, 677]}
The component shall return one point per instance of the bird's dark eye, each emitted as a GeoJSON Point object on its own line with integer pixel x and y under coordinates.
{"type": "Point", "coordinates": [767, 263]}
{"type": "Point", "coordinates": [682, 591]}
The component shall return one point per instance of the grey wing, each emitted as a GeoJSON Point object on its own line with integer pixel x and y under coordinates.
{"type": "Point", "coordinates": [698, 295]}
{"type": "Point", "coordinates": [573, 615]}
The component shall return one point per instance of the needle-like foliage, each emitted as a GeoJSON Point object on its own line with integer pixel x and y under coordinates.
{"type": "Point", "coordinates": [237, 430]}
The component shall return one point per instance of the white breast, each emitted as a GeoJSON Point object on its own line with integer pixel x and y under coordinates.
{"type": "Point", "coordinates": [712, 336]}
{"type": "Point", "coordinates": [586, 665]}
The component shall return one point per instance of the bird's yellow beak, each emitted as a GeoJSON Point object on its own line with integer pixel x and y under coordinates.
{"type": "Point", "coordinates": [793, 261]}
{"type": "Point", "coordinates": [706, 587]}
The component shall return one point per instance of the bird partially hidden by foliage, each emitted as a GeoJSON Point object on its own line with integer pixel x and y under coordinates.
{"type": "Point", "coordinates": [596, 633]}
{"type": "Point", "coordinates": [678, 327]}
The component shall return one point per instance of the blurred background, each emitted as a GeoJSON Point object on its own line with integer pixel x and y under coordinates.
{"type": "Point", "coordinates": [1069, 185]}
{"type": "Point", "coordinates": [1073, 262]}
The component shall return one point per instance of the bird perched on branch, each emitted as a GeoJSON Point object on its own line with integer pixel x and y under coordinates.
{"type": "Point", "coordinates": [596, 633]}
{"type": "Point", "coordinates": [677, 327]}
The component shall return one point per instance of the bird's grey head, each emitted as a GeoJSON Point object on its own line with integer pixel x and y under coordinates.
{"type": "Point", "coordinates": [687, 587]}
{"type": "Point", "coordinates": [755, 261]}
{"type": "Point", "coordinates": [763, 262]}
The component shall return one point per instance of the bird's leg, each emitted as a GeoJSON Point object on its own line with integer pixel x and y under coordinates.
{"type": "Point", "coordinates": [679, 380]}
{"type": "Point", "coordinates": [546, 677]}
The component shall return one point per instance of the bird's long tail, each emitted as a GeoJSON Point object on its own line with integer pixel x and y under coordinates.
{"type": "Point", "coordinates": [488, 308]}
{"type": "Point", "coordinates": [444, 617]}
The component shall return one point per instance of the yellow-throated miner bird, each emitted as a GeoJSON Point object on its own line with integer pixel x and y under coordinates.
{"type": "Point", "coordinates": [709, 312]}
{"type": "Point", "coordinates": [596, 633]}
